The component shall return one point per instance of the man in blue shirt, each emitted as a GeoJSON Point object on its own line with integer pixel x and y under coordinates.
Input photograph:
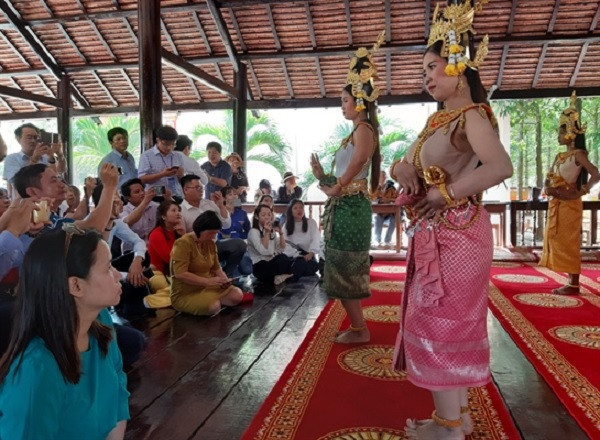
{"type": "Point", "coordinates": [119, 157]}
{"type": "Point", "coordinates": [32, 151]}
{"type": "Point", "coordinates": [160, 166]}
{"type": "Point", "coordinates": [218, 171]}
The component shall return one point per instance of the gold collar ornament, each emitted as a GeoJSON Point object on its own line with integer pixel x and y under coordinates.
{"type": "Point", "coordinates": [450, 27]}
{"type": "Point", "coordinates": [570, 119]}
{"type": "Point", "coordinates": [362, 72]}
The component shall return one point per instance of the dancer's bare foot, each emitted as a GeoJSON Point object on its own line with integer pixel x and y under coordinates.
{"type": "Point", "coordinates": [429, 430]}
{"type": "Point", "coordinates": [568, 289]}
{"type": "Point", "coordinates": [353, 336]}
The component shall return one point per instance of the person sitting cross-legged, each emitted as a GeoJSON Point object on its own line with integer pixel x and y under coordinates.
{"type": "Point", "coordinates": [302, 239]}
{"type": "Point", "coordinates": [199, 286]}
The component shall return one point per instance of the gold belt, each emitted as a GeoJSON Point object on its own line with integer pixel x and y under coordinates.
{"type": "Point", "coordinates": [355, 187]}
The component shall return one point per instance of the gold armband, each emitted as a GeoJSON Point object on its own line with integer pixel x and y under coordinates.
{"type": "Point", "coordinates": [339, 182]}
{"type": "Point", "coordinates": [449, 200]}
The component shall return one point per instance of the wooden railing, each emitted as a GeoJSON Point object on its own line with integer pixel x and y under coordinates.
{"type": "Point", "coordinates": [528, 218]}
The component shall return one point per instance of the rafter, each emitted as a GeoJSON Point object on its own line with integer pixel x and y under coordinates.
{"type": "Point", "coordinates": [427, 17]}
{"type": "Point", "coordinates": [311, 26]}
{"type": "Point", "coordinates": [18, 87]}
{"type": "Point", "coordinates": [167, 94]}
{"type": "Point", "coordinates": [244, 48]}
{"type": "Point", "coordinates": [105, 88]}
{"type": "Point", "coordinates": [287, 78]}
{"type": "Point", "coordinates": [553, 18]}
{"type": "Point", "coordinates": [129, 81]}
{"type": "Point", "coordinates": [511, 20]}
{"type": "Point", "coordinates": [320, 77]}
{"type": "Point", "coordinates": [348, 21]}
{"type": "Point", "coordinates": [595, 20]}
{"type": "Point", "coordinates": [502, 65]}
{"type": "Point", "coordinates": [388, 20]}
{"type": "Point", "coordinates": [540, 65]}
{"type": "Point", "coordinates": [28, 96]}
{"type": "Point", "coordinates": [217, 17]}
{"type": "Point", "coordinates": [273, 29]}
{"type": "Point", "coordinates": [255, 80]}
{"type": "Point", "coordinates": [582, 54]}
{"type": "Point", "coordinates": [388, 73]}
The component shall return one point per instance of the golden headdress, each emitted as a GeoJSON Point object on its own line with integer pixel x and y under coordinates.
{"type": "Point", "coordinates": [570, 118]}
{"type": "Point", "coordinates": [450, 27]}
{"type": "Point", "coordinates": [362, 72]}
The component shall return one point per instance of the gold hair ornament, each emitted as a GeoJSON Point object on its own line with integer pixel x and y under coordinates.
{"type": "Point", "coordinates": [363, 70]}
{"type": "Point", "coordinates": [570, 119]}
{"type": "Point", "coordinates": [449, 27]}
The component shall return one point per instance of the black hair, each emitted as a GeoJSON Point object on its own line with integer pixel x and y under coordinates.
{"type": "Point", "coordinates": [115, 131]}
{"type": "Point", "coordinates": [126, 187]}
{"type": "Point", "coordinates": [97, 193]}
{"type": "Point", "coordinates": [161, 210]}
{"type": "Point", "coordinates": [264, 183]}
{"type": "Point", "coordinates": [262, 197]}
{"type": "Point", "coordinates": [255, 223]}
{"type": "Point", "coordinates": [215, 145]}
{"type": "Point", "coordinates": [46, 309]}
{"type": "Point", "coordinates": [289, 217]}
{"type": "Point", "coordinates": [478, 93]}
{"type": "Point", "coordinates": [371, 112]}
{"type": "Point", "coordinates": [187, 179]}
{"type": "Point", "coordinates": [207, 221]}
{"type": "Point", "coordinates": [29, 176]}
{"type": "Point", "coordinates": [226, 189]}
{"type": "Point", "coordinates": [183, 142]}
{"type": "Point", "coordinates": [166, 133]}
{"type": "Point", "coordinates": [19, 129]}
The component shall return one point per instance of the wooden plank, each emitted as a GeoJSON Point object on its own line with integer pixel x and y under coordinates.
{"type": "Point", "coordinates": [553, 18]}
{"type": "Point", "coordinates": [348, 21]}
{"type": "Point", "coordinates": [273, 29]}
{"type": "Point", "coordinates": [311, 26]}
{"type": "Point", "coordinates": [320, 77]}
{"type": "Point", "coordinates": [502, 65]}
{"type": "Point", "coordinates": [582, 54]}
{"type": "Point", "coordinates": [217, 17]}
{"type": "Point", "coordinates": [28, 96]}
{"type": "Point", "coordinates": [511, 20]}
{"type": "Point", "coordinates": [540, 65]}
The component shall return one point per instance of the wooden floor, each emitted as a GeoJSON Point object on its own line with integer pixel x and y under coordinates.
{"type": "Point", "coordinates": [204, 378]}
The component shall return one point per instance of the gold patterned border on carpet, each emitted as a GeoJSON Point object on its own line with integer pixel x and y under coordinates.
{"type": "Point", "coordinates": [287, 411]}
{"type": "Point", "coordinates": [585, 293]}
{"type": "Point", "coordinates": [584, 394]}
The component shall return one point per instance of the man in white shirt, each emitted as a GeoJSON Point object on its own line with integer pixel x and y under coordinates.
{"type": "Point", "coordinates": [231, 250]}
{"type": "Point", "coordinates": [183, 147]}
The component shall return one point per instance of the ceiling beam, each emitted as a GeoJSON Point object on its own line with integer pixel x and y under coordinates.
{"type": "Point", "coordinates": [427, 18]}
{"type": "Point", "coordinates": [28, 96]}
{"type": "Point", "coordinates": [595, 20]}
{"type": "Point", "coordinates": [217, 17]}
{"type": "Point", "coordinates": [311, 26]}
{"type": "Point", "coordinates": [348, 21]}
{"type": "Point", "coordinates": [553, 18]}
{"type": "Point", "coordinates": [502, 65]}
{"type": "Point", "coordinates": [244, 48]}
{"type": "Point", "coordinates": [273, 29]}
{"type": "Point", "coordinates": [197, 74]}
{"type": "Point", "coordinates": [540, 65]}
{"type": "Point", "coordinates": [320, 77]}
{"type": "Point", "coordinates": [582, 54]}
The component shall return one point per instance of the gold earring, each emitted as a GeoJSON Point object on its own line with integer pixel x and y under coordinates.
{"type": "Point", "coordinates": [461, 85]}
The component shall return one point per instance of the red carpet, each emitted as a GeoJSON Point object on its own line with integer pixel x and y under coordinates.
{"type": "Point", "coordinates": [334, 391]}
{"type": "Point", "coordinates": [560, 335]}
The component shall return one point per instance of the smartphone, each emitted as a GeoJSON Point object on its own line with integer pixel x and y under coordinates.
{"type": "Point", "coordinates": [275, 224]}
{"type": "Point", "coordinates": [48, 138]}
{"type": "Point", "coordinates": [43, 213]}
{"type": "Point", "coordinates": [159, 190]}
{"type": "Point", "coordinates": [120, 171]}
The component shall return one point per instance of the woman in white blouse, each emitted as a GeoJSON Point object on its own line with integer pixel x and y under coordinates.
{"type": "Point", "coordinates": [302, 237]}
{"type": "Point", "coordinates": [266, 244]}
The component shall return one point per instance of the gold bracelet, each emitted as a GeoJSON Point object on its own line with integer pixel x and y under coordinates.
{"type": "Point", "coordinates": [450, 189]}
{"type": "Point", "coordinates": [392, 175]}
{"type": "Point", "coordinates": [444, 191]}
{"type": "Point", "coordinates": [446, 423]}
{"type": "Point", "coordinates": [339, 181]}
{"type": "Point", "coordinates": [585, 189]}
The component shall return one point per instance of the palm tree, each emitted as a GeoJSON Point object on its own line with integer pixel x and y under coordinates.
{"type": "Point", "coordinates": [261, 132]}
{"type": "Point", "coordinates": [90, 143]}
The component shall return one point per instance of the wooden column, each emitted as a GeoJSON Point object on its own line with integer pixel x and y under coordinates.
{"type": "Point", "coordinates": [239, 113]}
{"type": "Point", "coordinates": [64, 122]}
{"type": "Point", "coordinates": [150, 70]}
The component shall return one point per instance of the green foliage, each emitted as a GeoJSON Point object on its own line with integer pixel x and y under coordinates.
{"type": "Point", "coordinates": [90, 143]}
{"type": "Point", "coordinates": [261, 132]}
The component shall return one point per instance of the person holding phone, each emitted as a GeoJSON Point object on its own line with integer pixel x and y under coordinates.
{"type": "Point", "coordinates": [266, 244]}
{"type": "Point", "coordinates": [198, 284]}
{"type": "Point", "coordinates": [118, 138]}
{"type": "Point", "coordinates": [33, 151]}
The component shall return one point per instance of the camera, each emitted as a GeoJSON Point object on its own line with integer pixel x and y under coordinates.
{"type": "Point", "coordinates": [159, 190]}
{"type": "Point", "coordinates": [41, 215]}
{"type": "Point", "coordinates": [120, 171]}
{"type": "Point", "coordinates": [48, 138]}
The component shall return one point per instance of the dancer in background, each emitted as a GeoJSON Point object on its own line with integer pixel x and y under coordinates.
{"type": "Point", "coordinates": [347, 214]}
{"type": "Point", "coordinates": [565, 183]}
{"type": "Point", "coordinates": [442, 343]}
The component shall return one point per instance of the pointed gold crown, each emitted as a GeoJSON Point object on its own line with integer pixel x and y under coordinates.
{"type": "Point", "coordinates": [452, 26]}
{"type": "Point", "coordinates": [570, 119]}
{"type": "Point", "coordinates": [362, 74]}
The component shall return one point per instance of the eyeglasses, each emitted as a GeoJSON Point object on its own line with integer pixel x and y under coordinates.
{"type": "Point", "coordinates": [167, 143]}
{"type": "Point", "coordinates": [70, 230]}
{"type": "Point", "coordinates": [198, 187]}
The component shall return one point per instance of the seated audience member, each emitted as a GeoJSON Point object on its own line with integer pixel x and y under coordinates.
{"type": "Point", "coordinates": [302, 237]}
{"type": "Point", "coordinates": [266, 244]}
{"type": "Point", "coordinates": [140, 211]}
{"type": "Point", "coordinates": [160, 166]}
{"type": "Point", "coordinates": [4, 200]}
{"type": "Point", "coordinates": [74, 206]}
{"type": "Point", "coordinates": [199, 286]}
{"type": "Point", "coordinates": [33, 151]}
{"type": "Point", "coordinates": [385, 193]}
{"type": "Point", "coordinates": [264, 188]}
{"type": "Point", "coordinates": [290, 190]}
{"type": "Point", "coordinates": [62, 374]}
{"type": "Point", "coordinates": [41, 182]}
{"type": "Point", "coordinates": [217, 170]}
{"type": "Point", "coordinates": [266, 199]}
{"type": "Point", "coordinates": [239, 180]}
{"type": "Point", "coordinates": [169, 227]}
{"type": "Point", "coordinates": [72, 199]}
{"type": "Point", "coordinates": [131, 264]}
{"type": "Point", "coordinates": [119, 156]}
{"type": "Point", "coordinates": [231, 250]}
{"type": "Point", "coordinates": [240, 224]}
{"type": "Point", "coordinates": [183, 147]}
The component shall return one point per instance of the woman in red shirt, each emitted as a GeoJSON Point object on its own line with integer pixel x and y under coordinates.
{"type": "Point", "coordinates": [169, 227]}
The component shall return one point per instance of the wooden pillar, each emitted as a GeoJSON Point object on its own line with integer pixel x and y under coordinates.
{"type": "Point", "coordinates": [239, 113]}
{"type": "Point", "coordinates": [64, 122]}
{"type": "Point", "coordinates": [150, 70]}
